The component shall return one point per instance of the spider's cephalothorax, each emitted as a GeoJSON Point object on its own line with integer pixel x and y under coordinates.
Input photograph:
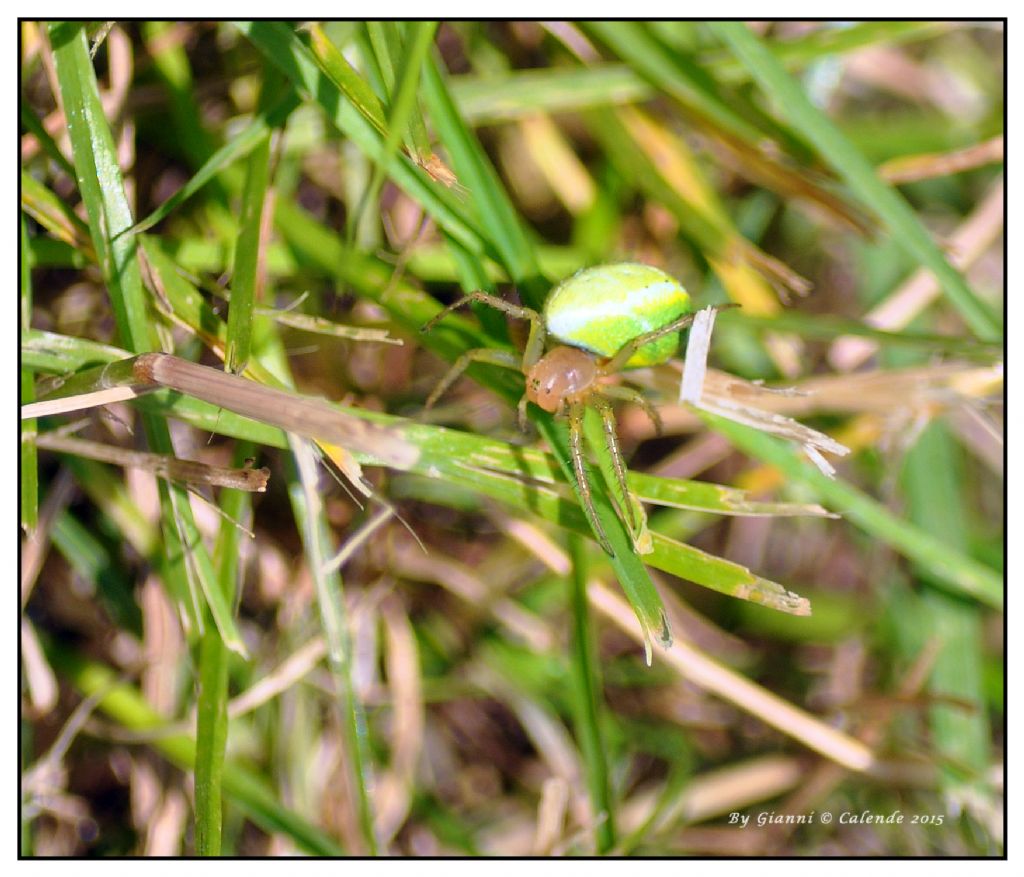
{"type": "Point", "coordinates": [562, 376]}
{"type": "Point", "coordinates": [608, 318]}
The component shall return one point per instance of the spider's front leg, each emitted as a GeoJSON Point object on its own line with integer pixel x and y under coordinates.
{"type": "Point", "coordinates": [576, 412]}
{"type": "Point", "coordinates": [535, 342]}
{"type": "Point", "coordinates": [480, 354]}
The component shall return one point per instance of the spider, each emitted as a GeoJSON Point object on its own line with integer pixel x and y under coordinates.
{"type": "Point", "coordinates": [609, 318]}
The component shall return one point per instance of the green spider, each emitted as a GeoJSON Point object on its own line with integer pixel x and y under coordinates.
{"type": "Point", "coordinates": [608, 318]}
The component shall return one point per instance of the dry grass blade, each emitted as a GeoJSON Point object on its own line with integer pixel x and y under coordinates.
{"type": "Point", "coordinates": [171, 468]}
{"type": "Point", "coordinates": [909, 168]}
{"type": "Point", "coordinates": [303, 416]}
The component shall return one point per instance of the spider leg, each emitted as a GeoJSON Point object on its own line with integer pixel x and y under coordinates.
{"type": "Point", "coordinates": [535, 342]}
{"type": "Point", "coordinates": [481, 354]}
{"type": "Point", "coordinates": [521, 411]}
{"type": "Point", "coordinates": [628, 394]}
{"type": "Point", "coordinates": [576, 413]}
{"type": "Point", "coordinates": [624, 353]}
{"type": "Point", "coordinates": [612, 440]}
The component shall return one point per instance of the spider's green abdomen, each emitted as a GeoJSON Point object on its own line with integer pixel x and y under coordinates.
{"type": "Point", "coordinates": [601, 308]}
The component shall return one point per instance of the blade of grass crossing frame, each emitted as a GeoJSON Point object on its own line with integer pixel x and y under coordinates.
{"type": "Point", "coordinates": [897, 215]}
{"type": "Point", "coordinates": [389, 39]}
{"type": "Point", "coordinates": [247, 265]}
{"type": "Point", "coordinates": [405, 75]}
{"type": "Point", "coordinates": [484, 100]}
{"type": "Point", "coordinates": [347, 80]}
{"type": "Point", "coordinates": [932, 478]}
{"type": "Point", "coordinates": [102, 189]}
{"type": "Point", "coordinates": [212, 697]}
{"type": "Point", "coordinates": [586, 672]}
{"type": "Point", "coordinates": [100, 183]}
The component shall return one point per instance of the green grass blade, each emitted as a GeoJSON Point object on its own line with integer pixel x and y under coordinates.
{"type": "Point", "coordinates": [586, 672]}
{"type": "Point", "coordinates": [100, 183]}
{"type": "Point", "coordinates": [932, 477]}
{"type": "Point", "coordinates": [59, 354]}
{"type": "Point", "coordinates": [29, 475]}
{"type": "Point", "coordinates": [506, 97]}
{"type": "Point", "coordinates": [313, 528]}
{"type": "Point", "coordinates": [282, 47]}
{"type": "Point", "coordinates": [900, 220]}
{"type": "Point", "coordinates": [953, 571]}
{"type": "Point", "coordinates": [345, 77]}
{"type": "Point", "coordinates": [211, 739]}
{"type": "Point", "coordinates": [248, 261]}
{"type": "Point", "coordinates": [212, 696]}
{"type": "Point", "coordinates": [832, 40]}
{"type": "Point", "coordinates": [54, 215]}
{"type": "Point", "coordinates": [829, 327]}
{"type": "Point", "coordinates": [237, 148]}
{"type": "Point", "coordinates": [499, 220]}
{"type": "Point", "coordinates": [402, 102]}
{"type": "Point", "coordinates": [102, 189]}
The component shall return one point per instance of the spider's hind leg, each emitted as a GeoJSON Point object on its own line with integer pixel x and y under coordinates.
{"type": "Point", "coordinates": [612, 440]}
{"type": "Point", "coordinates": [628, 394]}
{"type": "Point", "coordinates": [576, 414]}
